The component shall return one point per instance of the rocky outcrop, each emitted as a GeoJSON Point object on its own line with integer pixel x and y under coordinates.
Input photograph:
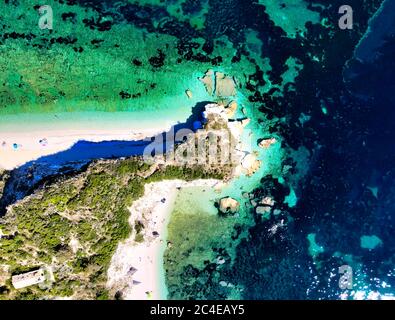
{"type": "Point", "coordinates": [265, 207]}
{"type": "Point", "coordinates": [3, 179]}
{"type": "Point", "coordinates": [250, 164]}
{"type": "Point", "coordinates": [221, 115]}
{"type": "Point", "coordinates": [231, 109]}
{"type": "Point", "coordinates": [217, 143]}
{"type": "Point", "coordinates": [78, 222]}
{"type": "Point", "coordinates": [229, 205]}
{"type": "Point", "coordinates": [268, 201]}
{"type": "Point", "coordinates": [266, 143]}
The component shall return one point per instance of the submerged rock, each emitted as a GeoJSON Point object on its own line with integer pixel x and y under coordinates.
{"type": "Point", "coordinates": [223, 283]}
{"type": "Point", "coordinates": [219, 84]}
{"type": "Point", "coordinates": [370, 242]}
{"type": "Point", "coordinates": [263, 209]}
{"type": "Point", "coordinates": [231, 109]}
{"type": "Point", "coordinates": [220, 260]}
{"type": "Point", "coordinates": [208, 81]}
{"type": "Point", "coordinates": [264, 212]}
{"type": "Point", "coordinates": [225, 86]}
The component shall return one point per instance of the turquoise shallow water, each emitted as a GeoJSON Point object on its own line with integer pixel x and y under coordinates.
{"type": "Point", "coordinates": [149, 113]}
{"type": "Point", "coordinates": [196, 228]}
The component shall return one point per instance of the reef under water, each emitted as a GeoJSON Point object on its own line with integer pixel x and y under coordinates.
{"type": "Point", "coordinates": [333, 202]}
{"type": "Point", "coordinates": [319, 105]}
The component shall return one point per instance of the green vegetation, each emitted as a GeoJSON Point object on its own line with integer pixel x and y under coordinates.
{"type": "Point", "coordinates": [74, 227]}
{"type": "Point", "coordinates": [188, 173]}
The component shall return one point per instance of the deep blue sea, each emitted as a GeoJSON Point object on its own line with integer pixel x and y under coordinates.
{"type": "Point", "coordinates": [348, 199]}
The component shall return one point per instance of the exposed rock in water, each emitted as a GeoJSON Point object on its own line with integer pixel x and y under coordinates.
{"type": "Point", "coordinates": [268, 201]}
{"type": "Point", "coordinates": [231, 109]}
{"type": "Point", "coordinates": [266, 143]}
{"type": "Point", "coordinates": [229, 205]}
{"type": "Point", "coordinates": [250, 164]}
{"type": "Point", "coordinates": [189, 93]}
{"type": "Point", "coordinates": [263, 209]}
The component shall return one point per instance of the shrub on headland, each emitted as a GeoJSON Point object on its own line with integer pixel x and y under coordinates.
{"type": "Point", "coordinates": [74, 227]}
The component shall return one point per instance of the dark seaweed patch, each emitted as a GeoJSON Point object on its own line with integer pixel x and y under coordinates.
{"type": "Point", "coordinates": [157, 61]}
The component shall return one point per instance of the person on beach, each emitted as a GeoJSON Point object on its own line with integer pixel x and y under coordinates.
{"type": "Point", "coordinates": [43, 142]}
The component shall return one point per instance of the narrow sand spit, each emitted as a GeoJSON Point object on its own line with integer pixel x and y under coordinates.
{"type": "Point", "coordinates": [18, 148]}
{"type": "Point", "coordinates": [136, 271]}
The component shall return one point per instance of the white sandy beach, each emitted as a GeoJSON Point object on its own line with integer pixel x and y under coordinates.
{"type": "Point", "coordinates": [17, 148]}
{"type": "Point", "coordinates": [24, 138]}
{"type": "Point", "coordinates": [136, 269]}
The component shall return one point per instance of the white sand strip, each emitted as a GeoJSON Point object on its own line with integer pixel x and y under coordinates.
{"type": "Point", "coordinates": [137, 269]}
{"type": "Point", "coordinates": [17, 148]}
